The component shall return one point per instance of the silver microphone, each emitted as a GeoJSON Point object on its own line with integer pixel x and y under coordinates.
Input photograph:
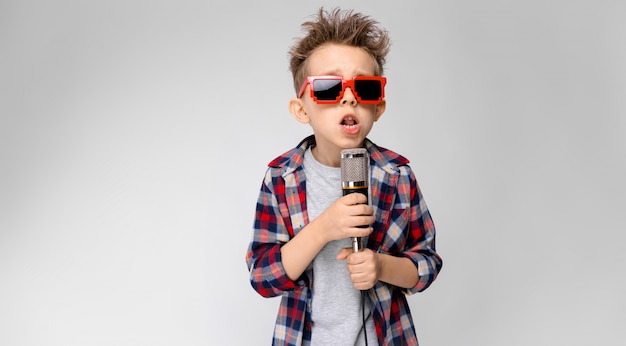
{"type": "Point", "coordinates": [355, 178]}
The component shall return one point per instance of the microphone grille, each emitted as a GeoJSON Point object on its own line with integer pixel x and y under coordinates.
{"type": "Point", "coordinates": [354, 165]}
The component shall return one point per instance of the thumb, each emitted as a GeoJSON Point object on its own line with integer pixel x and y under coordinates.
{"type": "Point", "coordinates": [344, 253]}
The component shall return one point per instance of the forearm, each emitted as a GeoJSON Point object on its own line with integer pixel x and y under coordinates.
{"type": "Point", "coordinates": [397, 271]}
{"type": "Point", "coordinates": [300, 251]}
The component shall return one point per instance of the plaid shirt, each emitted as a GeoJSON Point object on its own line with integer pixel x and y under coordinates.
{"type": "Point", "coordinates": [403, 227]}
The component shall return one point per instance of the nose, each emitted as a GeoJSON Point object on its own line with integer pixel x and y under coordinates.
{"type": "Point", "coordinates": [348, 98]}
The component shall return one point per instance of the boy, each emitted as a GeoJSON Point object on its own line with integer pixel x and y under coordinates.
{"type": "Point", "coordinates": [301, 245]}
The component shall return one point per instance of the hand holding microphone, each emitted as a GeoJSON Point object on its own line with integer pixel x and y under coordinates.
{"type": "Point", "coordinates": [350, 215]}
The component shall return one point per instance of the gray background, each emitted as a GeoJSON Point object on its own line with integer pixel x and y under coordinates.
{"type": "Point", "coordinates": [134, 136]}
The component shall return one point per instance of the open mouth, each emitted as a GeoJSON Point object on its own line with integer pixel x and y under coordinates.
{"type": "Point", "coordinates": [349, 121]}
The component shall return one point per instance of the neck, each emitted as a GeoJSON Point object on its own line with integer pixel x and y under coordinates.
{"type": "Point", "coordinates": [327, 158]}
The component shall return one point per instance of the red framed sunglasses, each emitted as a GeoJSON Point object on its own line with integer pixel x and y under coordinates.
{"type": "Point", "coordinates": [330, 89]}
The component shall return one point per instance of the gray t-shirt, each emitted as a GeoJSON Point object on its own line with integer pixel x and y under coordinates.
{"type": "Point", "coordinates": [336, 306]}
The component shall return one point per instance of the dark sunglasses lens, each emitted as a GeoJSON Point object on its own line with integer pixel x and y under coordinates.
{"type": "Point", "coordinates": [369, 90]}
{"type": "Point", "coordinates": [326, 89]}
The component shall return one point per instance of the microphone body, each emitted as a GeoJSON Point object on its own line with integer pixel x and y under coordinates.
{"type": "Point", "coordinates": [355, 179]}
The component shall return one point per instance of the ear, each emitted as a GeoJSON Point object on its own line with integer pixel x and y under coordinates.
{"type": "Point", "coordinates": [380, 109]}
{"type": "Point", "coordinates": [296, 107]}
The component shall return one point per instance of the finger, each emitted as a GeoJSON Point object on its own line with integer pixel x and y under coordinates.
{"type": "Point", "coordinates": [362, 282]}
{"type": "Point", "coordinates": [344, 253]}
{"type": "Point", "coordinates": [364, 286]}
{"type": "Point", "coordinates": [361, 210]}
{"type": "Point", "coordinates": [356, 261]}
{"type": "Point", "coordinates": [358, 231]}
{"type": "Point", "coordinates": [355, 198]}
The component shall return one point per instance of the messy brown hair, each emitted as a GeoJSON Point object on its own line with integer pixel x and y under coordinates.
{"type": "Point", "coordinates": [341, 27]}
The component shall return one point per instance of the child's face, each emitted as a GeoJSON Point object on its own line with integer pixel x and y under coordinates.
{"type": "Point", "coordinates": [344, 124]}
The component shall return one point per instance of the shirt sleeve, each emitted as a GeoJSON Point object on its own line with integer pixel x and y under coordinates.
{"type": "Point", "coordinates": [420, 245]}
{"type": "Point", "coordinates": [267, 274]}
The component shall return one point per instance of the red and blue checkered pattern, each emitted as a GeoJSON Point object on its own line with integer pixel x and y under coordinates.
{"type": "Point", "coordinates": [403, 227]}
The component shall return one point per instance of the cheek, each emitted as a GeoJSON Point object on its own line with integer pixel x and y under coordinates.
{"type": "Point", "coordinates": [371, 113]}
{"type": "Point", "coordinates": [317, 110]}
{"type": "Point", "coordinates": [310, 106]}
